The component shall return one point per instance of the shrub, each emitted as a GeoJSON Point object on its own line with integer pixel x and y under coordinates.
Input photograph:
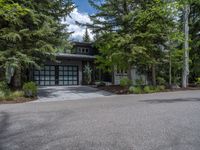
{"type": "Point", "coordinates": [139, 82]}
{"type": "Point", "coordinates": [161, 87]}
{"type": "Point", "coordinates": [125, 82]}
{"type": "Point", "coordinates": [30, 89]}
{"type": "Point", "coordinates": [4, 88]}
{"type": "Point", "coordinates": [161, 81]}
{"type": "Point", "coordinates": [148, 89]}
{"type": "Point", "coordinates": [198, 81]}
{"type": "Point", "coordinates": [135, 90]}
{"type": "Point", "coordinates": [18, 94]}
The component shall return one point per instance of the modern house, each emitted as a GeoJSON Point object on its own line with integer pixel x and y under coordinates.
{"type": "Point", "coordinates": [69, 68]}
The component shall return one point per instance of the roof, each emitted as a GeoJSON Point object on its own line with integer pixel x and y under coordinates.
{"type": "Point", "coordinates": [83, 44]}
{"type": "Point", "coordinates": [78, 56]}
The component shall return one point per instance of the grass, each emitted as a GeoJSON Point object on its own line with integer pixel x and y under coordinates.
{"type": "Point", "coordinates": [11, 95]}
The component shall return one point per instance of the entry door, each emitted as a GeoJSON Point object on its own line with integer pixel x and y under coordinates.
{"type": "Point", "coordinates": [68, 75]}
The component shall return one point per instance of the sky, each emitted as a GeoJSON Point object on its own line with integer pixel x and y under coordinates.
{"type": "Point", "coordinates": [81, 14]}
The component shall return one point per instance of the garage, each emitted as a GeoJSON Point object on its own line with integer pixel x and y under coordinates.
{"type": "Point", "coordinates": [63, 75]}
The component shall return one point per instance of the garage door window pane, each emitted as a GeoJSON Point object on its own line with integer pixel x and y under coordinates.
{"type": "Point", "coordinates": [41, 82]}
{"type": "Point", "coordinates": [47, 83]}
{"type": "Point", "coordinates": [60, 82]}
{"type": "Point", "coordinates": [41, 72]}
{"type": "Point", "coordinates": [52, 68]}
{"type": "Point", "coordinates": [52, 82]}
{"type": "Point", "coordinates": [52, 78]}
{"type": "Point", "coordinates": [61, 77]}
{"type": "Point", "coordinates": [36, 72]}
{"type": "Point", "coordinates": [75, 82]}
{"type": "Point", "coordinates": [52, 73]}
{"type": "Point", "coordinates": [47, 67]}
{"type": "Point", "coordinates": [66, 82]}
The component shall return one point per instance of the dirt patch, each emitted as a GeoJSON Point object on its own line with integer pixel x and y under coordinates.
{"type": "Point", "coordinates": [17, 100]}
{"type": "Point", "coordinates": [117, 89]}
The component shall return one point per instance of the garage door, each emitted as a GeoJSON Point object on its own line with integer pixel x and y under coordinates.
{"type": "Point", "coordinates": [57, 75]}
{"type": "Point", "coordinates": [68, 75]}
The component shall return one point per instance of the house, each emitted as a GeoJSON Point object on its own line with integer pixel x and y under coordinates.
{"type": "Point", "coordinates": [69, 68]}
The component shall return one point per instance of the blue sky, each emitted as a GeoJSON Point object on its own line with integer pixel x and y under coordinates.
{"type": "Point", "coordinates": [84, 6]}
{"type": "Point", "coordinates": [80, 14]}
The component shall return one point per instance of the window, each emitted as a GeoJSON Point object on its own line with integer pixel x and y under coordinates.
{"type": "Point", "coordinates": [83, 50]}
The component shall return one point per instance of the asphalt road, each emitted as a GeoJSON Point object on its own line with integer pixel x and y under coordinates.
{"type": "Point", "coordinates": [165, 121]}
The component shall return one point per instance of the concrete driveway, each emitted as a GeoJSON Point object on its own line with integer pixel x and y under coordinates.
{"type": "Point", "coordinates": [60, 93]}
{"type": "Point", "coordinates": [164, 121]}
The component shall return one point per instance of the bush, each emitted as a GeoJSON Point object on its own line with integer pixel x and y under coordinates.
{"type": "Point", "coordinates": [30, 89]}
{"type": "Point", "coordinates": [18, 94]}
{"type": "Point", "coordinates": [139, 82]}
{"type": "Point", "coordinates": [161, 81]}
{"type": "Point", "coordinates": [125, 82]}
{"type": "Point", "coordinates": [198, 81]}
{"type": "Point", "coordinates": [4, 88]}
{"type": "Point", "coordinates": [135, 90]}
{"type": "Point", "coordinates": [161, 87]}
{"type": "Point", "coordinates": [148, 89]}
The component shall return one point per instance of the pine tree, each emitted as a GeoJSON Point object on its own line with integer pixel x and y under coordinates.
{"type": "Point", "coordinates": [86, 36]}
{"type": "Point", "coordinates": [31, 32]}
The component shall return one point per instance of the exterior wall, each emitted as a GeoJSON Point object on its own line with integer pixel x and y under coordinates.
{"type": "Point", "coordinates": [135, 76]}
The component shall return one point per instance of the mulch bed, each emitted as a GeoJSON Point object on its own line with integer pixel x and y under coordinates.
{"type": "Point", "coordinates": [18, 100]}
{"type": "Point", "coordinates": [121, 90]}
{"type": "Point", "coordinates": [115, 89]}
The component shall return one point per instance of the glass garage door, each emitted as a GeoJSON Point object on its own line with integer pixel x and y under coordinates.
{"type": "Point", "coordinates": [45, 76]}
{"type": "Point", "coordinates": [56, 75]}
{"type": "Point", "coordinates": [68, 75]}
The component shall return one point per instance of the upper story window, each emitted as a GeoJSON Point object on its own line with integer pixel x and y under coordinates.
{"type": "Point", "coordinates": [83, 50]}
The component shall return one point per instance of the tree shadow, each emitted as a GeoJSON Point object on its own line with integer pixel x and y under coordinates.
{"type": "Point", "coordinates": [4, 124]}
{"type": "Point", "coordinates": [158, 101]}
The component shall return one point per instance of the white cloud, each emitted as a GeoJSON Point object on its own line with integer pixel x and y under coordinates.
{"type": "Point", "coordinates": [73, 27]}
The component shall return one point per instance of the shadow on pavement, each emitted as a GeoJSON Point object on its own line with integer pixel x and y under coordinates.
{"type": "Point", "coordinates": [4, 118]}
{"type": "Point", "coordinates": [157, 101]}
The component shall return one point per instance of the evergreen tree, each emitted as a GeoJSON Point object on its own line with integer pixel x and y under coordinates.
{"type": "Point", "coordinates": [131, 30]}
{"type": "Point", "coordinates": [31, 31]}
{"type": "Point", "coordinates": [86, 36]}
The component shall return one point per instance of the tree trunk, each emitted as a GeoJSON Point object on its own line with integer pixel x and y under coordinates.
{"type": "Point", "coordinates": [154, 74]}
{"type": "Point", "coordinates": [170, 69]}
{"type": "Point", "coordinates": [129, 72]}
{"type": "Point", "coordinates": [186, 47]}
{"type": "Point", "coordinates": [16, 82]}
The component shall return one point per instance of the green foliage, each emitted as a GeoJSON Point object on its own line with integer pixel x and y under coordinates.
{"type": "Point", "coordinates": [86, 36]}
{"type": "Point", "coordinates": [198, 81]}
{"type": "Point", "coordinates": [161, 87]}
{"type": "Point", "coordinates": [125, 82]}
{"type": "Point", "coordinates": [31, 31]}
{"type": "Point", "coordinates": [139, 82]}
{"type": "Point", "coordinates": [148, 89]}
{"type": "Point", "coordinates": [16, 94]}
{"type": "Point", "coordinates": [30, 89]}
{"type": "Point", "coordinates": [135, 90]}
{"type": "Point", "coordinates": [7, 94]}
{"type": "Point", "coordinates": [161, 81]}
{"type": "Point", "coordinates": [88, 74]}
{"type": "Point", "coordinates": [4, 88]}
